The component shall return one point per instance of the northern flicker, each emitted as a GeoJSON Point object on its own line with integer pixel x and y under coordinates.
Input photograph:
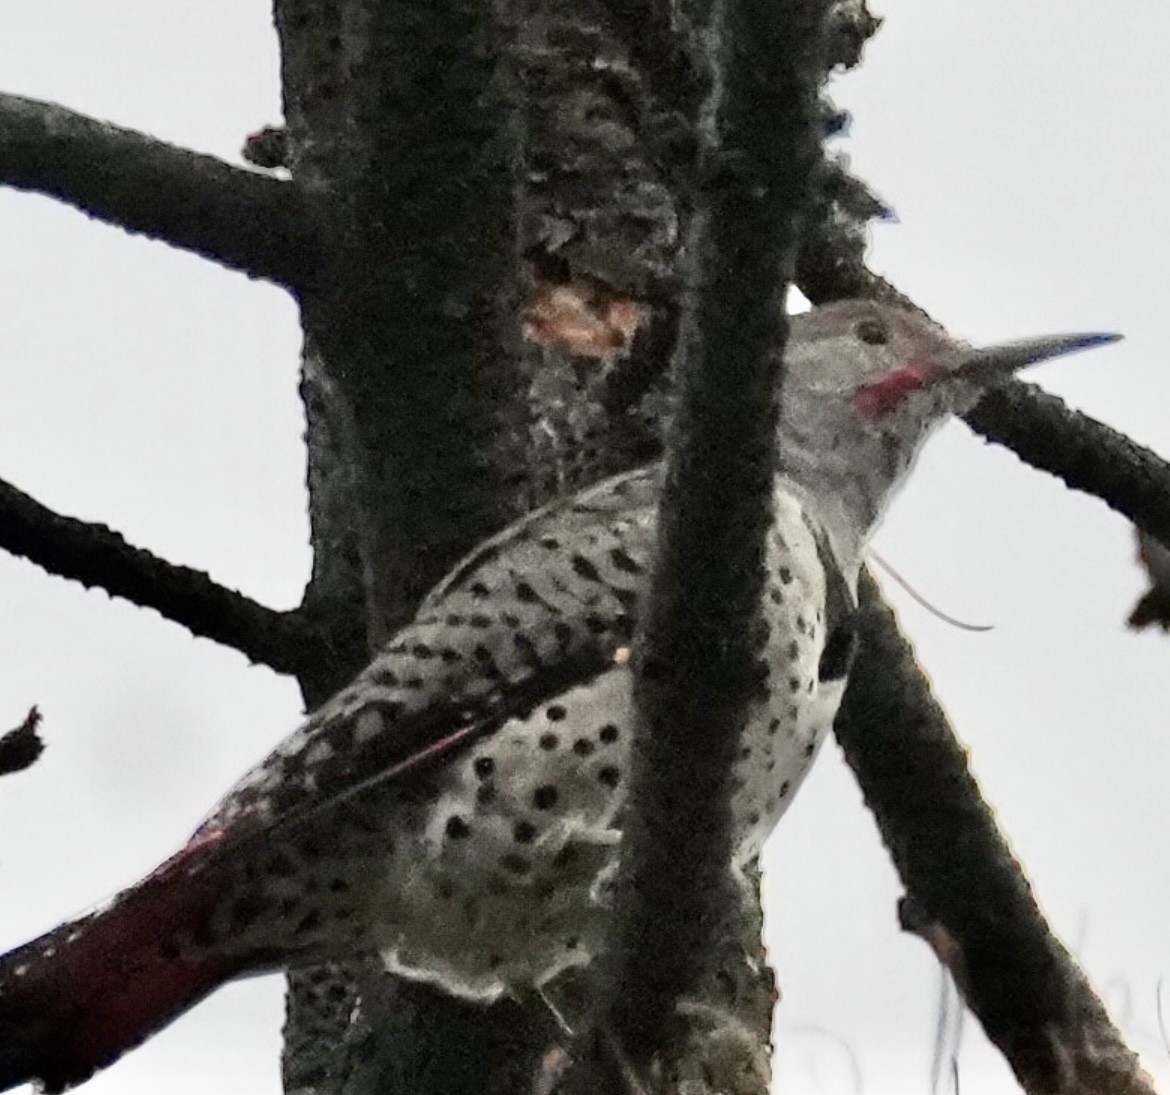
{"type": "Point", "coordinates": [458, 807]}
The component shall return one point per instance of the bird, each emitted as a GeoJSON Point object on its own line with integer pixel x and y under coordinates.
{"type": "Point", "coordinates": [457, 807]}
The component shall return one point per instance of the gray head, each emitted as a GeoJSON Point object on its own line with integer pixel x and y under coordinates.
{"type": "Point", "coordinates": [866, 383]}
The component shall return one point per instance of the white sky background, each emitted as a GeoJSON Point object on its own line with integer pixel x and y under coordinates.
{"type": "Point", "coordinates": [1025, 150]}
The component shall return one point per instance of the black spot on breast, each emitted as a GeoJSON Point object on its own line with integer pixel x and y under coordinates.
{"type": "Point", "coordinates": [585, 568]}
{"type": "Point", "coordinates": [837, 655]}
{"type": "Point", "coordinates": [525, 593]}
{"type": "Point", "coordinates": [555, 712]}
{"type": "Point", "coordinates": [549, 742]}
{"type": "Point", "coordinates": [785, 575]}
{"type": "Point", "coordinates": [483, 767]}
{"type": "Point", "coordinates": [448, 655]}
{"type": "Point", "coordinates": [384, 675]}
{"type": "Point", "coordinates": [479, 620]}
{"type": "Point", "coordinates": [550, 542]}
{"type": "Point", "coordinates": [524, 832]}
{"type": "Point", "coordinates": [609, 776]}
{"type": "Point", "coordinates": [478, 589]}
{"type": "Point", "coordinates": [457, 828]}
{"type": "Point", "coordinates": [487, 662]}
{"type": "Point", "coordinates": [563, 633]}
{"type": "Point", "coordinates": [544, 797]}
{"type": "Point", "coordinates": [583, 747]}
{"type": "Point", "coordinates": [623, 560]}
{"type": "Point", "coordinates": [608, 733]}
{"type": "Point", "coordinates": [455, 620]}
{"type": "Point", "coordinates": [422, 651]}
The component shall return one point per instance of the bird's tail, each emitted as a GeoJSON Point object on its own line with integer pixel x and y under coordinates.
{"type": "Point", "coordinates": [79, 997]}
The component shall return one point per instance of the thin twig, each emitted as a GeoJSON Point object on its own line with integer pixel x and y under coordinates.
{"type": "Point", "coordinates": [20, 748]}
{"type": "Point", "coordinates": [968, 896]}
{"type": "Point", "coordinates": [97, 556]}
{"type": "Point", "coordinates": [259, 225]}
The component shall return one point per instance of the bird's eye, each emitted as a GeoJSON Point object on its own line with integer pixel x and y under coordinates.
{"type": "Point", "coordinates": [872, 331]}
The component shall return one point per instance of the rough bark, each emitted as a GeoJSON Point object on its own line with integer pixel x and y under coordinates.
{"type": "Point", "coordinates": [261, 226]}
{"type": "Point", "coordinates": [430, 422]}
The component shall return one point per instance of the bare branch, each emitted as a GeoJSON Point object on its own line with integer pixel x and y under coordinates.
{"type": "Point", "coordinates": [97, 556]}
{"type": "Point", "coordinates": [20, 748]}
{"type": "Point", "coordinates": [1088, 455]}
{"type": "Point", "coordinates": [977, 912]}
{"type": "Point", "coordinates": [246, 221]}
{"type": "Point", "coordinates": [968, 896]}
{"type": "Point", "coordinates": [1153, 607]}
{"type": "Point", "coordinates": [698, 655]}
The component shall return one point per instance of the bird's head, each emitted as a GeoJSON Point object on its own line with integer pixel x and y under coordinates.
{"type": "Point", "coordinates": [865, 384]}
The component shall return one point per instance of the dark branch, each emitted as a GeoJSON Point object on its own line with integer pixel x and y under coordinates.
{"type": "Point", "coordinates": [968, 896]}
{"type": "Point", "coordinates": [97, 556]}
{"type": "Point", "coordinates": [977, 910]}
{"type": "Point", "coordinates": [249, 222]}
{"type": "Point", "coordinates": [20, 748]}
{"type": "Point", "coordinates": [698, 653]}
{"type": "Point", "coordinates": [1088, 455]}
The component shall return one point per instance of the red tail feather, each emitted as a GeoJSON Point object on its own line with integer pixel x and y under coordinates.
{"type": "Point", "coordinates": [78, 998]}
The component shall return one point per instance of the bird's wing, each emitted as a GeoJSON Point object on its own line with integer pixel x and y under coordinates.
{"type": "Point", "coordinates": [545, 605]}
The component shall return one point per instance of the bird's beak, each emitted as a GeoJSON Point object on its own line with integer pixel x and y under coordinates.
{"type": "Point", "coordinates": [988, 365]}
{"type": "Point", "coordinates": [979, 368]}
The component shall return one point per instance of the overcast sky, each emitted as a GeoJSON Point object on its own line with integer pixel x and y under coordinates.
{"type": "Point", "coordinates": [1025, 150]}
